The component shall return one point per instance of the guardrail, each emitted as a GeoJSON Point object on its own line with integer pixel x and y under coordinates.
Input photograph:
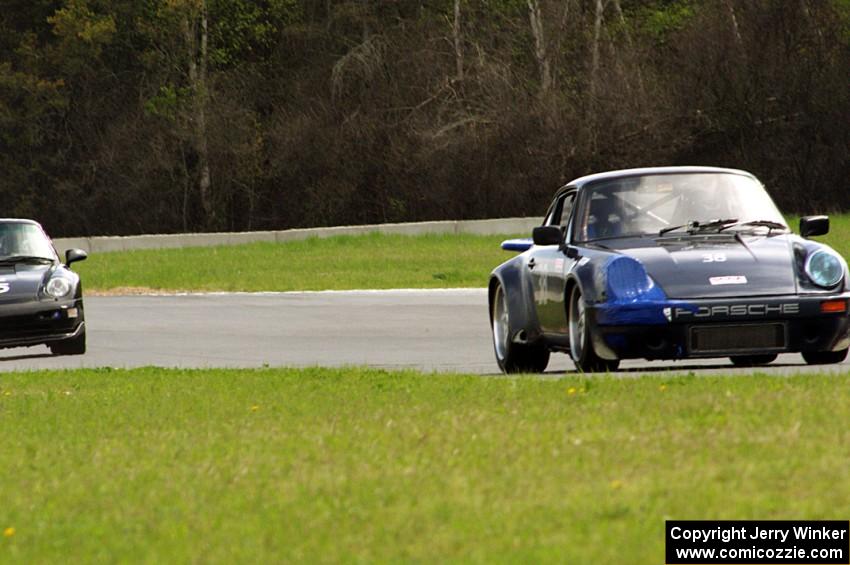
{"type": "Point", "coordinates": [105, 244]}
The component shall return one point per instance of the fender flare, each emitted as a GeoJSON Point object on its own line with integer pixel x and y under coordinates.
{"type": "Point", "coordinates": [520, 300]}
{"type": "Point", "coordinates": [588, 278]}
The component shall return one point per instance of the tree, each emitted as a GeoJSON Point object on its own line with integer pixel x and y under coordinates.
{"type": "Point", "coordinates": [190, 40]}
{"type": "Point", "coordinates": [541, 51]}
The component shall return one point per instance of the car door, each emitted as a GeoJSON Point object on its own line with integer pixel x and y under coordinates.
{"type": "Point", "coordinates": [549, 265]}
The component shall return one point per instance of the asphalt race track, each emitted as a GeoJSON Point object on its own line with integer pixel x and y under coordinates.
{"type": "Point", "coordinates": [439, 330]}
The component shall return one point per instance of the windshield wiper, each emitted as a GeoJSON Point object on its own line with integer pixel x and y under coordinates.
{"type": "Point", "coordinates": [770, 224]}
{"type": "Point", "coordinates": [695, 226]}
{"type": "Point", "coordinates": [25, 259]}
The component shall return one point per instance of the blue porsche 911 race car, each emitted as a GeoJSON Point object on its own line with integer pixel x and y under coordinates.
{"type": "Point", "coordinates": [668, 263]}
{"type": "Point", "coordinates": [41, 299]}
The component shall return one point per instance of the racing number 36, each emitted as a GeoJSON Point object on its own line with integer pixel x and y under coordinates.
{"type": "Point", "coordinates": [714, 257]}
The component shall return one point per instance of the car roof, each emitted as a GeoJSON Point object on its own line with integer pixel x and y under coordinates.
{"type": "Point", "coordinates": [581, 181]}
{"type": "Point", "coordinates": [18, 221]}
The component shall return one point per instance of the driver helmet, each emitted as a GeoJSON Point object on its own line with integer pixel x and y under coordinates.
{"type": "Point", "coordinates": [605, 217]}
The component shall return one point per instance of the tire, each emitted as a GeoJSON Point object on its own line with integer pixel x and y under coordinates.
{"type": "Point", "coordinates": [581, 346]}
{"type": "Point", "coordinates": [71, 346]}
{"type": "Point", "coordinates": [824, 357]}
{"type": "Point", "coordinates": [513, 357]}
{"type": "Point", "coordinates": [753, 360]}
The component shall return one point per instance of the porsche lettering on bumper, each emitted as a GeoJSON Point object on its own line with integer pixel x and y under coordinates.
{"type": "Point", "coordinates": [731, 311]}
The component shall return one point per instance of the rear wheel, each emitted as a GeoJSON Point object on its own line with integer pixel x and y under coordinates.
{"type": "Point", "coordinates": [753, 360]}
{"type": "Point", "coordinates": [72, 346]}
{"type": "Point", "coordinates": [581, 347]}
{"type": "Point", "coordinates": [824, 357]}
{"type": "Point", "coordinates": [513, 357]}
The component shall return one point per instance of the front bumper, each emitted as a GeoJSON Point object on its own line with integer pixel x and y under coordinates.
{"type": "Point", "coordinates": [41, 323]}
{"type": "Point", "coordinates": [678, 329]}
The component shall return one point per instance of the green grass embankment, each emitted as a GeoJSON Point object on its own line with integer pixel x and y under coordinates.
{"type": "Point", "coordinates": [374, 261]}
{"type": "Point", "coordinates": [329, 465]}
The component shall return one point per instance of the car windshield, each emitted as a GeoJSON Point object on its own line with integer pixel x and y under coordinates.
{"type": "Point", "coordinates": [659, 204]}
{"type": "Point", "coordinates": [23, 240]}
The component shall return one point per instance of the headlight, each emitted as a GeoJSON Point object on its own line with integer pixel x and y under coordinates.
{"type": "Point", "coordinates": [57, 287]}
{"type": "Point", "coordinates": [824, 269]}
{"type": "Point", "coordinates": [628, 281]}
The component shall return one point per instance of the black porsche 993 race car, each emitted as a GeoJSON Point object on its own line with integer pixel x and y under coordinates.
{"type": "Point", "coordinates": [41, 300]}
{"type": "Point", "coordinates": [668, 263]}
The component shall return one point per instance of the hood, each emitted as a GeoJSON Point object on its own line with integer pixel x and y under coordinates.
{"type": "Point", "coordinates": [20, 283]}
{"type": "Point", "coordinates": [719, 266]}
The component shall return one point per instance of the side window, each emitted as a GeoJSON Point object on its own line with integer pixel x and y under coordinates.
{"type": "Point", "coordinates": [559, 213]}
{"type": "Point", "coordinates": [554, 211]}
{"type": "Point", "coordinates": [567, 210]}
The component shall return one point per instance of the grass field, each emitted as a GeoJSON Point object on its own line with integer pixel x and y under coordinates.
{"type": "Point", "coordinates": [323, 465]}
{"type": "Point", "coordinates": [347, 262]}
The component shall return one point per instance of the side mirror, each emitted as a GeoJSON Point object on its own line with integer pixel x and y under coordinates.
{"type": "Point", "coordinates": [547, 235]}
{"type": "Point", "coordinates": [73, 255]}
{"type": "Point", "coordinates": [814, 225]}
{"type": "Point", "coordinates": [518, 245]}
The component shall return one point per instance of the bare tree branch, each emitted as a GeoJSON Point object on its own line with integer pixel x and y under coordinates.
{"type": "Point", "coordinates": [594, 57]}
{"type": "Point", "coordinates": [458, 42]}
{"type": "Point", "coordinates": [736, 30]}
{"type": "Point", "coordinates": [540, 51]}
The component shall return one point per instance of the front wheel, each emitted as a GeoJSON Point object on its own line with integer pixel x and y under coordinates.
{"type": "Point", "coordinates": [513, 357]}
{"type": "Point", "coordinates": [71, 346]}
{"type": "Point", "coordinates": [581, 347]}
{"type": "Point", "coordinates": [824, 357]}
